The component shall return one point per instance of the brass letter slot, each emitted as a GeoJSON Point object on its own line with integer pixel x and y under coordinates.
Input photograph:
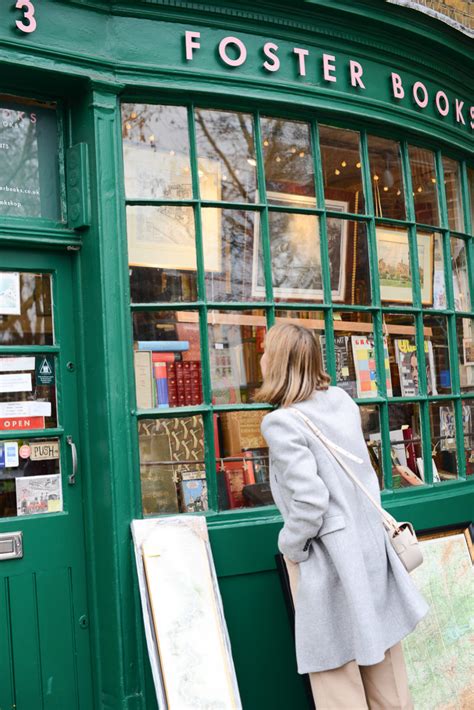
{"type": "Point", "coordinates": [11, 545]}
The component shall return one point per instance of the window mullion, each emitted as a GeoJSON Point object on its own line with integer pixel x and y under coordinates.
{"type": "Point", "coordinates": [469, 228]}
{"type": "Point", "coordinates": [264, 220]}
{"type": "Point", "coordinates": [208, 417]}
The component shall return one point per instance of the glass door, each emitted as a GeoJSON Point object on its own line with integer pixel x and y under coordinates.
{"type": "Point", "coordinates": [44, 620]}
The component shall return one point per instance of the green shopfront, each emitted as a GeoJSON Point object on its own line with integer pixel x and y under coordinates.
{"type": "Point", "coordinates": [175, 177]}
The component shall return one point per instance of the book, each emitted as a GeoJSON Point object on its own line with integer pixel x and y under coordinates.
{"type": "Point", "coordinates": [407, 477]}
{"type": "Point", "coordinates": [159, 493]}
{"type": "Point", "coordinates": [259, 461]}
{"type": "Point", "coordinates": [409, 447]}
{"type": "Point", "coordinates": [345, 373]}
{"type": "Point", "coordinates": [241, 430]}
{"type": "Point", "coordinates": [189, 332]}
{"type": "Point", "coordinates": [407, 361]}
{"type": "Point", "coordinates": [161, 380]}
{"type": "Point", "coordinates": [397, 445]}
{"type": "Point", "coordinates": [193, 492]}
{"type": "Point", "coordinates": [163, 345]}
{"type": "Point", "coordinates": [237, 474]}
{"type": "Point", "coordinates": [365, 366]}
{"type": "Point", "coordinates": [447, 429]}
{"type": "Point", "coordinates": [165, 357]}
{"type": "Point", "coordinates": [421, 469]}
{"type": "Point", "coordinates": [144, 380]}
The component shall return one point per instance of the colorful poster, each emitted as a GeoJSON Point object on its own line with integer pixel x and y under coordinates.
{"type": "Point", "coordinates": [10, 300]}
{"type": "Point", "coordinates": [39, 494]}
{"type": "Point", "coordinates": [365, 367]}
{"type": "Point", "coordinates": [407, 361]}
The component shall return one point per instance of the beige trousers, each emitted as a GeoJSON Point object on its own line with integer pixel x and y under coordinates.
{"type": "Point", "coordinates": [383, 686]}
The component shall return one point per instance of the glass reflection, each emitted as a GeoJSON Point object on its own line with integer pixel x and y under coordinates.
{"type": "Point", "coordinates": [236, 343]}
{"type": "Point", "coordinates": [439, 284]}
{"type": "Point", "coordinates": [423, 178]}
{"type": "Point", "coordinates": [172, 470]}
{"type": "Point", "coordinates": [386, 175]}
{"type": "Point", "coordinates": [437, 354]}
{"type": "Point", "coordinates": [156, 152]}
{"type": "Point", "coordinates": [342, 169]}
{"type": "Point", "coordinates": [226, 155]}
{"type": "Point", "coordinates": [452, 183]}
{"type": "Point", "coordinates": [348, 261]}
{"type": "Point", "coordinates": [288, 160]}
{"type": "Point", "coordinates": [405, 445]}
{"type": "Point", "coordinates": [443, 438]}
{"type": "Point", "coordinates": [462, 300]}
{"type": "Point", "coordinates": [26, 316]}
{"type": "Point", "coordinates": [465, 346]}
{"type": "Point", "coordinates": [162, 252]}
{"type": "Point", "coordinates": [369, 415]}
{"type": "Point", "coordinates": [468, 423]}
{"type": "Point", "coordinates": [231, 242]}
{"type": "Point", "coordinates": [470, 187]}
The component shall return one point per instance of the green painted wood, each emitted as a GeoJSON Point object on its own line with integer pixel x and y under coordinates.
{"type": "Point", "coordinates": [26, 653]}
{"type": "Point", "coordinates": [7, 683]}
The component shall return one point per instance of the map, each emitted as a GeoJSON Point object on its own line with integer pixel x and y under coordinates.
{"type": "Point", "coordinates": [440, 652]}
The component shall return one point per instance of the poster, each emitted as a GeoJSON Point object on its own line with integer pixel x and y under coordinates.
{"type": "Point", "coordinates": [39, 494]}
{"type": "Point", "coordinates": [365, 366]}
{"type": "Point", "coordinates": [10, 301]}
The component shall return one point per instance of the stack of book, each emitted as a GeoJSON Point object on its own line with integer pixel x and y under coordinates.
{"type": "Point", "coordinates": [163, 378]}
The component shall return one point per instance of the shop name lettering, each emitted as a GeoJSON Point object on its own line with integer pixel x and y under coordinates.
{"type": "Point", "coordinates": [233, 53]}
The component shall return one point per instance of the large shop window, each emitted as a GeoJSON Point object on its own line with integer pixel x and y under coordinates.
{"type": "Point", "coordinates": [238, 220]}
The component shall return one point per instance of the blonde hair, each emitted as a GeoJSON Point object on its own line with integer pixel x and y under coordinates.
{"type": "Point", "coordinates": [294, 365]}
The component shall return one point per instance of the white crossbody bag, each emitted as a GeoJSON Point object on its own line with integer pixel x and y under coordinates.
{"type": "Point", "coordinates": [401, 535]}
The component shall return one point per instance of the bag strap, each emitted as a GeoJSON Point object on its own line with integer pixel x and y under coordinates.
{"type": "Point", "coordinates": [389, 521]}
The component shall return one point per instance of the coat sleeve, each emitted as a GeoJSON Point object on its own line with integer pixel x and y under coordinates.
{"type": "Point", "coordinates": [297, 472]}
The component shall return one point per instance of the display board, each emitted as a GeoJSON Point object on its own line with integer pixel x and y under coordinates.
{"type": "Point", "coordinates": [29, 161]}
{"type": "Point", "coordinates": [187, 637]}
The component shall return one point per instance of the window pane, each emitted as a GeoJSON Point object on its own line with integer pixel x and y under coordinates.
{"type": "Point", "coordinates": [348, 261]}
{"type": "Point", "coordinates": [462, 300]}
{"type": "Point", "coordinates": [402, 354]}
{"type": "Point", "coordinates": [288, 161]}
{"type": "Point", "coordinates": [156, 152]}
{"type": "Point", "coordinates": [437, 354]}
{"type": "Point", "coordinates": [162, 253]}
{"type": "Point", "coordinates": [439, 285]}
{"type": "Point", "coordinates": [167, 359]}
{"type": "Point", "coordinates": [231, 252]}
{"type": "Point", "coordinates": [443, 431]}
{"type": "Point", "coordinates": [172, 470]}
{"type": "Point", "coordinates": [470, 184]}
{"type": "Point", "coordinates": [25, 309]}
{"type": "Point", "coordinates": [342, 169]}
{"type": "Point", "coordinates": [386, 175]}
{"type": "Point", "coordinates": [226, 155]}
{"type": "Point", "coordinates": [243, 467]}
{"type": "Point", "coordinates": [465, 341]}
{"type": "Point", "coordinates": [295, 257]}
{"type": "Point", "coordinates": [236, 342]}
{"type": "Point", "coordinates": [30, 479]}
{"type": "Point", "coordinates": [452, 181]}
{"type": "Point", "coordinates": [468, 423]}
{"type": "Point", "coordinates": [369, 415]}
{"type": "Point", "coordinates": [394, 265]}
{"type": "Point", "coordinates": [423, 178]}
{"type": "Point", "coordinates": [405, 445]}
{"type": "Point", "coordinates": [29, 166]}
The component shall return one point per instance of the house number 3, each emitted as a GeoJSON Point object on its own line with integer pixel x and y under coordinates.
{"type": "Point", "coordinates": [28, 14]}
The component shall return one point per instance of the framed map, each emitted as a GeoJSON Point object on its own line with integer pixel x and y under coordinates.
{"type": "Point", "coordinates": [439, 652]}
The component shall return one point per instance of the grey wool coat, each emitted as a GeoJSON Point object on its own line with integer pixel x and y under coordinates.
{"type": "Point", "coordinates": [355, 599]}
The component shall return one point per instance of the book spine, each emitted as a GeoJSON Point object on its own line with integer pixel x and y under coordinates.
{"type": "Point", "coordinates": [164, 345]}
{"type": "Point", "coordinates": [180, 393]}
{"type": "Point", "coordinates": [161, 384]}
{"type": "Point", "coordinates": [172, 390]}
{"type": "Point", "coordinates": [165, 357]}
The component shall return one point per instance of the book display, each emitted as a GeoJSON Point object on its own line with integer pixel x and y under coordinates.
{"type": "Point", "coordinates": [365, 367]}
{"type": "Point", "coordinates": [407, 361]}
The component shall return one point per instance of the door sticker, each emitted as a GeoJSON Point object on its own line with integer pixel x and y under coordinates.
{"type": "Point", "coordinates": [44, 371]}
{"type": "Point", "coordinates": [44, 450]}
{"type": "Point", "coordinates": [19, 423]}
{"type": "Point", "coordinates": [16, 364]}
{"type": "Point", "coordinates": [18, 382]}
{"type": "Point", "coordinates": [25, 409]}
{"type": "Point", "coordinates": [9, 454]}
{"type": "Point", "coordinates": [39, 494]}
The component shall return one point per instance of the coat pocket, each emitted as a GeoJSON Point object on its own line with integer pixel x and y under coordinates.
{"type": "Point", "coordinates": [331, 524]}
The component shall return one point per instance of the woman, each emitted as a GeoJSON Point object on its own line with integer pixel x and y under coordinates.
{"type": "Point", "coordinates": [355, 601]}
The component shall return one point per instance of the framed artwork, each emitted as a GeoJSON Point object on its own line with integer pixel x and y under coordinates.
{"type": "Point", "coordinates": [164, 237]}
{"type": "Point", "coordinates": [394, 266]}
{"type": "Point", "coordinates": [296, 253]}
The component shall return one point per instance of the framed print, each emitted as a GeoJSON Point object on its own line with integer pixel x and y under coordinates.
{"type": "Point", "coordinates": [296, 253]}
{"type": "Point", "coordinates": [394, 266]}
{"type": "Point", "coordinates": [10, 299]}
{"type": "Point", "coordinates": [468, 351]}
{"type": "Point", "coordinates": [163, 237]}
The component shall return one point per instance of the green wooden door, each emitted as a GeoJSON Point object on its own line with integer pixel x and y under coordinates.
{"type": "Point", "coordinates": [44, 628]}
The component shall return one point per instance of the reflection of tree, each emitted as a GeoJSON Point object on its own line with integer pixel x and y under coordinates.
{"type": "Point", "coordinates": [19, 165]}
{"type": "Point", "coordinates": [33, 326]}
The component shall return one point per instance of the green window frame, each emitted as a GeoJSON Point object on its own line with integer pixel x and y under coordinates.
{"type": "Point", "coordinates": [376, 309]}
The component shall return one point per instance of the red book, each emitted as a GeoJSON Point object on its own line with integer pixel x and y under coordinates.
{"type": "Point", "coordinates": [237, 474]}
{"type": "Point", "coordinates": [172, 391]}
{"type": "Point", "coordinates": [409, 448]}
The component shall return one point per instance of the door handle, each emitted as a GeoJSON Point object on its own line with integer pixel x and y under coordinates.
{"type": "Point", "coordinates": [72, 477]}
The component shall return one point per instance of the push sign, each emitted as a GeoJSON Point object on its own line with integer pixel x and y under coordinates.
{"type": "Point", "coordinates": [44, 370]}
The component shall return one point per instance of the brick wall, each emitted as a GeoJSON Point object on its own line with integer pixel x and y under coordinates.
{"type": "Point", "coordinates": [461, 11]}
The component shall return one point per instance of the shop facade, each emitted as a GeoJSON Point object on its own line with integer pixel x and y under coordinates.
{"type": "Point", "coordinates": [175, 178]}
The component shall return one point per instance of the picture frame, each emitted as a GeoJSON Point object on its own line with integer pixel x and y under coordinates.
{"type": "Point", "coordinates": [294, 232]}
{"type": "Point", "coordinates": [164, 237]}
{"type": "Point", "coordinates": [396, 280]}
